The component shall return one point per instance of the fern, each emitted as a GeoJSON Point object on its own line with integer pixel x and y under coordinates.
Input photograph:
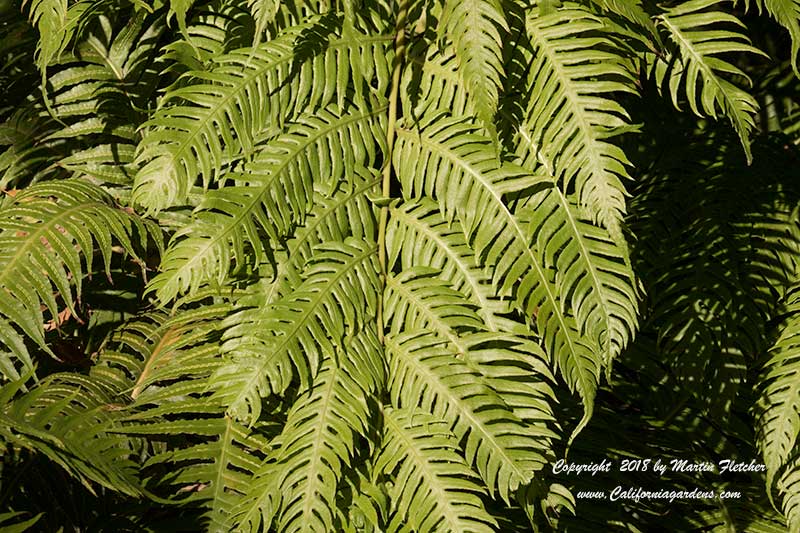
{"type": "Point", "coordinates": [707, 91]}
{"type": "Point", "coordinates": [47, 237]}
{"type": "Point", "coordinates": [429, 474]}
{"type": "Point", "coordinates": [418, 251]}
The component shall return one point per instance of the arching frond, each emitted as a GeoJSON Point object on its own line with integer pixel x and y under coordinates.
{"type": "Point", "coordinates": [432, 84]}
{"type": "Point", "coordinates": [66, 418]}
{"type": "Point", "coordinates": [700, 37]}
{"type": "Point", "coordinates": [56, 21]}
{"type": "Point", "coordinates": [778, 408]}
{"type": "Point", "coordinates": [162, 364]}
{"type": "Point", "coordinates": [222, 114]}
{"type": "Point", "coordinates": [267, 346]}
{"type": "Point", "coordinates": [317, 442]}
{"type": "Point", "coordinates": [418, 300]}
{"type": "Point", "coordinates": [433, 489]}
{"type": "Point", "coordinates": [425, 373]}
{"type": "Point", "coordinates": [418, 234]}
{"type": "Point", "coordinates": [271, 198]}
{"type": "Point", "coordinates": [593, 272]}
{"type": "Point", "coordinates": [458, 169]}
{"type": "Point", "coordinates": [474, 27]}
{"type": "Point", "coordinates": [571, 113]}
{"type": "Point", "coordinates": [47, 237]}
{"type": "Point", "coordinates": [787, 14]}
{"type": "Point", "coordinates": [347, 212]}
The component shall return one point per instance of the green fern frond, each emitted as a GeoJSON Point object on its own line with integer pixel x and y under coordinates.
{"type": "Point", "coordinates": [347, 212]}
{"type": "Point", "coordinates": [778, 408]}
{"type": "Point", "coordinates": [635, 12]}
{"type": "Point", "coordinates": [263, 12]}
{"type": "Point", "coordinates": [318, 440]}
{"type": "Point", "coordinates": [474, 27]}
{"type": "Point", "coordinates": [67, 419]}
{"type": "Point", "coordinates": [700, 37]}
{"type": "Point", "coordinates": [148, 352]}
{"type": "Point", "coordinates": [48, 236]}
{"type": "Point", "coordinates": [418, 300]}
{"type": "Point", "coordinates": [459, 170]}
{"type": "Point", "coordinates": [789, 488]}
{"type": "Point", "coordinates": [163, 363]}
{"type": "Point", "coordinates": [272, 196]}
{"type": "Point", "coordinates": [425, 373]}
{"type": "Point", "coordinates": [787, 14]}
{"type": "Point", "coordinates": [266, 346]}
{"type": "Point", "coordinates": [418, 234]}
{"type": "Point", "coordinates": [433, 83]}
{"type": "Point", "coordinates": [433, 489]}
{"type": "Point", "coordinates": [593, 272]}
{"type": "Point", "coordinates": [222, 113]}
{"type": "Point", "coordinates": [56, 21]}
{"type": "Point", "coordinates": [571, 114]}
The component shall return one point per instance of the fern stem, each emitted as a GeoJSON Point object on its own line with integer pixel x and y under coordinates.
{"type": "Point", "coordinates": [399, 47]}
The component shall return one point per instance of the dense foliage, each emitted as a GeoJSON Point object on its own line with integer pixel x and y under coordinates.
{"type": "Point", "coordinates": [376, 265]}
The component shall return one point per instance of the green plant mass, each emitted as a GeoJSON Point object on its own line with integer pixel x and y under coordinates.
{"type": "Point", "coordinates": [389, 266]}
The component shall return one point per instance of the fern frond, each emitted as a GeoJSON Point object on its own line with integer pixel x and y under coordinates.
{"type": "Point", "coordinates": [474, 27]}
{"type": "Point", "coordinates": [570, 113]}
{"type": "Point", "coordinates": [317, 442]}
{"type": "Point", "coordinates": [789, 488]}
{"type": "Point", "coordinates": [164, 364]}
{"type": "Point", "coordinates": [700, 37]}
{"type": "Point", "coordinates": [66, 418]}
{"type": "Point", "coordinates": [433, 489]}
{"type": "Point", "coordinates": [264, 345]}
{"type": "Point", "coordinates": [787, 14]}
{"type": "Point", "coordinates": [418, 300]}
{"type": "Point", "coordinates": [56, 22]}
{"type": "Point", "coordinates": [433, 83]}
{"type": "Point", "coordinates": [593, 272]}
{"type": "Point", "coordinates": [425, 373]}
{"type": "Point", "coordinates": [263, 12]}
{"type": "Point", "coordinates": [222, 114]}
{"type": "Point", "coordinates": [778, 408]}
{"type": "Point", "coordinates": [272, 196]}
{"type": "Point", "coordinates": [48, 236]}
{"type": "Point", "coordinates": [347, 212]}
{"type": "Point", "coordinates": [418, 234]}
{"type": "Point", "coordinates": [458, 169]}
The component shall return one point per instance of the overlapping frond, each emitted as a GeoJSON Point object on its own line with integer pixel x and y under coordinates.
{"type": "Point", "coordinates": [425, 372]}
{"type": "Point", "coordinates": [459, 170]}
{"type": "Point", "coordinates": [418, 234]}
{"type": "Point", "coordinates": [433, 488]}
{"type": "Point", "coordinates": [160, 367]}
{"type": "Point", "coordinates": [474, 27]}
{"type": "Point", "coordinates": [272, 196]}
{"type": "Point", "coordinates": [778, 408]}
{"type": "Point", "coordinates": [56, 21]}
{"type": "Point", "coordinates": [47, 237]}
{"type": "Point", "coordinates": [267, 346]}
{"type": "Point", "coordinates": [787, 14]}
{"type": "Point", "coordinates": [418, 300]}
{"type": "Point", "coordinates": [222, 113]}
{"type": "Point", "coordinates": [593, 272]}
{"type": "Point", "coordinates": [574, 75]}
{"type": "Point", "coordinates": [68, 419]}
{"type": "Point", "coordinates": [319, 439]}
{"type": "Point", "coordinates": [347, 212]}
{"type": "Point", "coordinates": [699, 32]}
